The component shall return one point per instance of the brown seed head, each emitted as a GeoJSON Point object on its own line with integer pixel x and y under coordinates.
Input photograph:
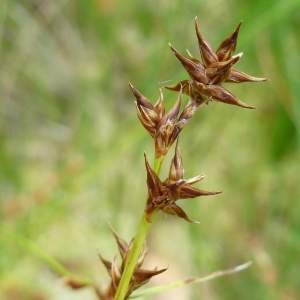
{"type": "Point", "coordinates": [163, 127]}
{"type": "Point", "coordinates": [163, 195]}
{"type": "Point", "coordinates": [215, 68]}
{"type": "Point", "coordinates": [139, 277]}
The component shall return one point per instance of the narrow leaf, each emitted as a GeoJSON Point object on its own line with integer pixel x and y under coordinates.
{"type": "Point", "coordinates": [190, 280]}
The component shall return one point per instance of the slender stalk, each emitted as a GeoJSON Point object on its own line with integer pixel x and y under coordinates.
{"type": "Point", "coordinates": [138, 241]}
{"type": "Point", "coordinates": [163, 288]}
{"type": "Point", "coordinates": [157, 164]}
{"type": "Point", "coordinates": [132, 258]}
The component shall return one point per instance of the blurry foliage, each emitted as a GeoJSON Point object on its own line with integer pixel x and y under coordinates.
{"type": "Point", "coordinates": [71, 146]}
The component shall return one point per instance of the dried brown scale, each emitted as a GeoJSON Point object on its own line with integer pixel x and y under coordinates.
{"type": "Point", "coordinates": [215, 68]}
{"type": "Point", "coordinates": [163, 127]}
{"type": "Point", "coordinates": [122, 245]}
{"type": "Point", "coordinates": [224, 51]}
{"type": "Point", "coordinates": [163, 195]}
{"type": "Point", "coordinates": [195, 70]}
{"type": "Point", "coordinates": [219, 71]}
{"type": "Point", "coordinates": [236, 76]}
{"type": "Point", "coordinates": [139, 277]}
{"type": "Point", "coordinates": [228, 46]}
{"type": "Point", "coordinates": [220, 94]}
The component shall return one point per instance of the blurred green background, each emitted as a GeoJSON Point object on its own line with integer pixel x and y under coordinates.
{"type": "Point", "coordinates": [71, 146]}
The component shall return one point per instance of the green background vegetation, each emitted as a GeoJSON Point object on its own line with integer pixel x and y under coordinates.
{"type": "Point", "coordinates": [71, 146]}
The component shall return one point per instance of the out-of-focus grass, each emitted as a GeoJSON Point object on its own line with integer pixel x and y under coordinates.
{"type": "Point", "coordinates": [71, 145]}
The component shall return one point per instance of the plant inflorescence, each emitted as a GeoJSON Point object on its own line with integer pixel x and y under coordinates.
{"type": "Point", "coordinates": [204, 85]}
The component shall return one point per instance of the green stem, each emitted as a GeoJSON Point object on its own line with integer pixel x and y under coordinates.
{"type": "Point", "coordinates": [132, 258]}
{"type": "Point", "coordinates": [157, 164]}
{"type": "Point", "coordinates": [138, 241]}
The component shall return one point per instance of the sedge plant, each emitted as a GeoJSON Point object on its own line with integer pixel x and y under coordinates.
{"type": "Point", "coordinates": [204, 85]}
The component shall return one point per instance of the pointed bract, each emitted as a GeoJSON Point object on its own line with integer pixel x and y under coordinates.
{"type": "Point", "coordinates": [166, 132]}
{"type": "Point", "coordinates": [183, 86]}
{"type": "Point", "coordinates": [159, 107]}
{"type": "Point", "coordinates": [192, 58]}
{"type": "Point", "coordinates": [176, 170]}
{"type": "Point", "coordinates": [115, 273]}
{"type": "Point", "coordinates": [139, 277]}
{"type": "Point", "coordinates": [148, 114]}
{"type": "Point", "coordinates": [219, 71]}
{"type": "Point", "coordinates": [196, 71]}
{"type": "Point", "coordinates": [222, 95]}
{"type": "Point", "coordinates": [166, 193]}
{"type": "Point", "coordinates": [207, 53]}
{"type": "Point", "coordinates": [153, 181]}
{"type": "Point", "coordinates": [215, 68]}
{"type": "Point", "coordinates": [161, 126]}
{"type": "Point", "coordinates": [142, 100]}
{"type": "Point", "coordinates": [144, 116]}
{"type": "Point", "coordinates": [175, 210]}
{"type": "Point", "coordinates": [106, 263]}
{"type": "Point", "coordinates": [187, 192]}
{"type": "Point", "coordinates": [122, 245]}
{"type": "Point", "coordinates": [227, 47]}
{"type": "Point", "coordinates": [239, 77]}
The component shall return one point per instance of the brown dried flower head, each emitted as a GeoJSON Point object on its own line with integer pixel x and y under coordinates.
{"type": "Point", "coordinates": [163, 127]}
{"type": "Point", "coordinates": [216, 67]}
{"type": "Point", "coordinates": [163, 195]}
{"type": "Point", "coordinates": [139, 277]}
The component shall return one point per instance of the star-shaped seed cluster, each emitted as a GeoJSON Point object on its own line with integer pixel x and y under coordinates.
{"type": "Point", "coordinates": [162, 195]}
{"type": "Point", "coordinates": [206, 77]}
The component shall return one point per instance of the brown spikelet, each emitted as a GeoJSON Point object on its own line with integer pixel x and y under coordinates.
{"type": "Point", "coordinates": [163, 127]}
{"type": "Point", "coordinates": [163, 195]}
{"type": "Point", "coordinates": [216, 67]}
{"type": "Point", "coordinates": [139, 277]}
